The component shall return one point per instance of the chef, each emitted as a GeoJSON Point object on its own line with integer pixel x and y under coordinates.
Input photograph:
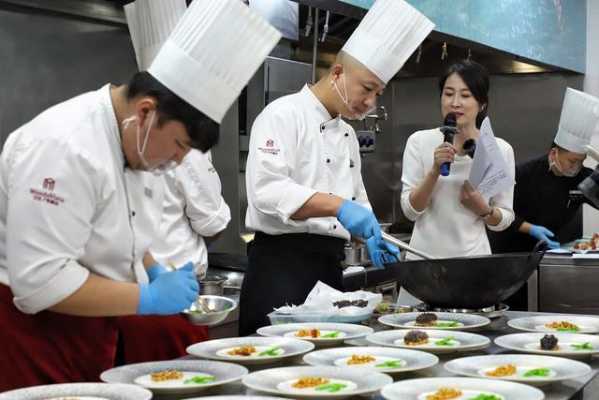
{"type": "Point", "coordinates": [304, 186]}
{"type": "Point", "coordinates": [543, 204]}
{"type": "Point", "coordinates": [192, 211]}
{"type": "Point", "coordinates": [72, 194]}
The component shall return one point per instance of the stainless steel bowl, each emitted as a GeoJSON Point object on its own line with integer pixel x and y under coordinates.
{"type": "Point", "coordinates": [210, 310]}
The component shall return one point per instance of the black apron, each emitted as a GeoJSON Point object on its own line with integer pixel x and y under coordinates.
{"type": "Point", "coordinates": [282, 269]}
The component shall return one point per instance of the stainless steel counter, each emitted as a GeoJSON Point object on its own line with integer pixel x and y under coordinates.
{"type": "Point", "coordinates": [567, 390]}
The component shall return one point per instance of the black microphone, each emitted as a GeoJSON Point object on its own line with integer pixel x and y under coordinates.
{"type": "Point", "coordinates": [449, 130]}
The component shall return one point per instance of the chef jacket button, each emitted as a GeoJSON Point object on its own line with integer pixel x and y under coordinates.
{"type": "Point", "coordinates": [346, 134]}
{"type": "Point", "coordinates": [328, 160]}
{"type": "Point", "coordinates": [133, 213]}
{"type": "Point", "coordinates": [321, 128]}
{"type": "Point", "coordinates": [353, 198]}
{"type": "Point", "coordinates": [334, 226]}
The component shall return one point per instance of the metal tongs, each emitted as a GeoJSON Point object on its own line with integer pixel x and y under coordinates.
{"type": "Point", "coordinates": [404, 246]}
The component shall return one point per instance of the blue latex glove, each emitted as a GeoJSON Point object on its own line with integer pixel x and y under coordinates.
{"type": "Point", "coordinates": [381, 252]}
{"type": "Point", "coordinates": [169, 293]}
{"type": "Point", "coordinates": [542, 233]}
{"type": "Point", "coordinates": [154, 270]}
{"type": "Point", "coordinates": [358, 220]}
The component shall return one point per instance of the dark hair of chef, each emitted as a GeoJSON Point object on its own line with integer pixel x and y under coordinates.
{"type": "Point", "coordinates": [476, 77]}
{"type": "Point", "coordinates": [202, 131]}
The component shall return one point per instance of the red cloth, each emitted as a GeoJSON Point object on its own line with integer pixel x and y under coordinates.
{"type": "Point", "coordinates": [154, 338]}
{"type": "Point", "coordinates": [52, 348]}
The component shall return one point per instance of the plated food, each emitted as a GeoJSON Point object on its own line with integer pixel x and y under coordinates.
{"type": "Point", "coordinates": [531, 369]}
{"type": "Point", "coordinates": [319, 333]}
{"type": "Point", "coordinates": [556, 324]}
{"type": "Point", "coordinates": [250, 350]}
{"type": "Point", "coordinates": [173, 378]}
{"type": "Point", "coordinates": [79, 391]}
{"type": "Point", "coordinates": [316, 385]}
{"type": "Point", "coordinates": [434, 341]}
{"type": "Point", "coordinates": [381, 359]}
{"type": "Point", "coordinates": [315, 333]}
{"type": "Point", "coordinates": [560, 344]}
{"type": "Point", "coordinates": [310, 382]}
{"type": "Point", "coordinates": [459, 389]}
{"type": "Point", "coordinates": [436, 320]}
{"type": "Point", "coordinates": [176, 377]}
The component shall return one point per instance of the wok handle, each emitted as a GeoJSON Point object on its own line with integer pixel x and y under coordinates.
{"type": "Point", "coordinates": [404, 246]}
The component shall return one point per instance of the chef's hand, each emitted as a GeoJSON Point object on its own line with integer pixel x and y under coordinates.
{"type": "Point", "coordinates": [381, 252]}
{"type": "Point", "coordinates": [444, 153]}
{"type": "Point", "coordinates": [169, 293]}
{"type": "Point", "coordinates": [541, 233]}
{"type": "Point", "coordinates": [358, 220]}
{"type": "Point", "coordinates": [473, 200]}
{"type": "Point", "coordinates": [155, 270]}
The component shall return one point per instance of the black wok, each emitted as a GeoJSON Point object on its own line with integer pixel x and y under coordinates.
{"type": "Point", "coordinates": [468, 282]}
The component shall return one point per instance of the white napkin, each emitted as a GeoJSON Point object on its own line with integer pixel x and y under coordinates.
{"type": "Point", "coordinates": [321, 298]}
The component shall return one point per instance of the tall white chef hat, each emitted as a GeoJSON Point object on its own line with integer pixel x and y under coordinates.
{"type": "Point", "coordinates": [578, 121]}
{"type": "Point", "coordinates": [212, 53]}
{"type": "Point", "coordinates": [150, 23]}
{"type": "Point", "coordinates": [387, 36]}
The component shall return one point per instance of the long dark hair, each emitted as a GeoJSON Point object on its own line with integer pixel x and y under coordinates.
{"type": "Point", "coordinates": [476, 77]}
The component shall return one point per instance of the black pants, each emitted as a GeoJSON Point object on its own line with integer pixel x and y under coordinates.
{"type": "Point", "coordinates": [282, 269]}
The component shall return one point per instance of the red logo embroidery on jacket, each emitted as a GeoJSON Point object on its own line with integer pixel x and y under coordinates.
{"type": "Point", "coordinates": [46, 195]}
{"type": "Point", "coordinates": [49, 184]}
{"type": "Point", "coordinates": [269, 148]}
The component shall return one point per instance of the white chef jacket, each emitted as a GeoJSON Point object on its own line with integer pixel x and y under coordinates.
{"type": "Point", "coordinates": [446, 228]}
{"type": "Point", "coordinates": [68, 206]}
{"type": "Point", "coordinates": [193, 208]}
{"type": "Point", "coordinates": [296, 150]}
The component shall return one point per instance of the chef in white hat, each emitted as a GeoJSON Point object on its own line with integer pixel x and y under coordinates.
{"type": "Point", "coordinates": [305, 191]}
{"type": "Point", "coordinates": [72, 197]}
{"type": "Point", "coordinates": [543, 200]}
{"type": "Point", "coordinates": [193, 211]}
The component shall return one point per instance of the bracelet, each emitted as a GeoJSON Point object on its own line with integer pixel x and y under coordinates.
{"type": "Point", "coordinates": [485, 215]}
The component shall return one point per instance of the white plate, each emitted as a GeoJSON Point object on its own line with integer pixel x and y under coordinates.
{"type": "Point", "coordinates": [559, 368]}
{"type": "Point", "coordinates": [238, 397]}
{"type": "Point", "coordinates": [462, 321]}
{"type": "Point", "coordinates": [222, 372]}
{"type": "Point", "coordinates": [83, 391]}
{"type": "Point", "coordinates": [418, 389]}
{"type": "Point", "coordinates": [342, 331]}
{"type": "Point", "coordinates": [279, 381]}
{"type": "Point", "coordinates": [218, 349]}
{"type": "Point", "coordinates": [537, 324]}
{"type": "Point", "coordinates": [462, 341]}
{"type": "Point", "coordinates": [407, 360]}
{"type": "Point", "coordinates": [530, 343]}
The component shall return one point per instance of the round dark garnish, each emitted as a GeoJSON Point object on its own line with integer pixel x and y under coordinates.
{"type": "Point", "coordinates": [426, 319]}
{"type": "Point", "coordinates": [548, 342]}
{"type": "Point", "coordinates": [415, 337]}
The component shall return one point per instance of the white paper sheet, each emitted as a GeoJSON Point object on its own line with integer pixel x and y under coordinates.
{"type": "Point", "coordinates": [489, 173]}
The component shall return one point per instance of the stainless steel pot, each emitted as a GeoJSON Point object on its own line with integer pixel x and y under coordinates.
{"type": "Point", "coordinates": [212, 285]}
{"type": "Point", "coordinates": [355, 254]}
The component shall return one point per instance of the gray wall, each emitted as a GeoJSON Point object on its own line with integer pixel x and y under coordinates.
{"type": "Point", "coordinates": [524, 110]}
{"type": "Point", "coordinates": [47, 58]}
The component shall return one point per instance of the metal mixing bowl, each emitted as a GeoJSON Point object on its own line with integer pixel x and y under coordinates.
{"type": "Point", "coordinates": [210, 310]}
